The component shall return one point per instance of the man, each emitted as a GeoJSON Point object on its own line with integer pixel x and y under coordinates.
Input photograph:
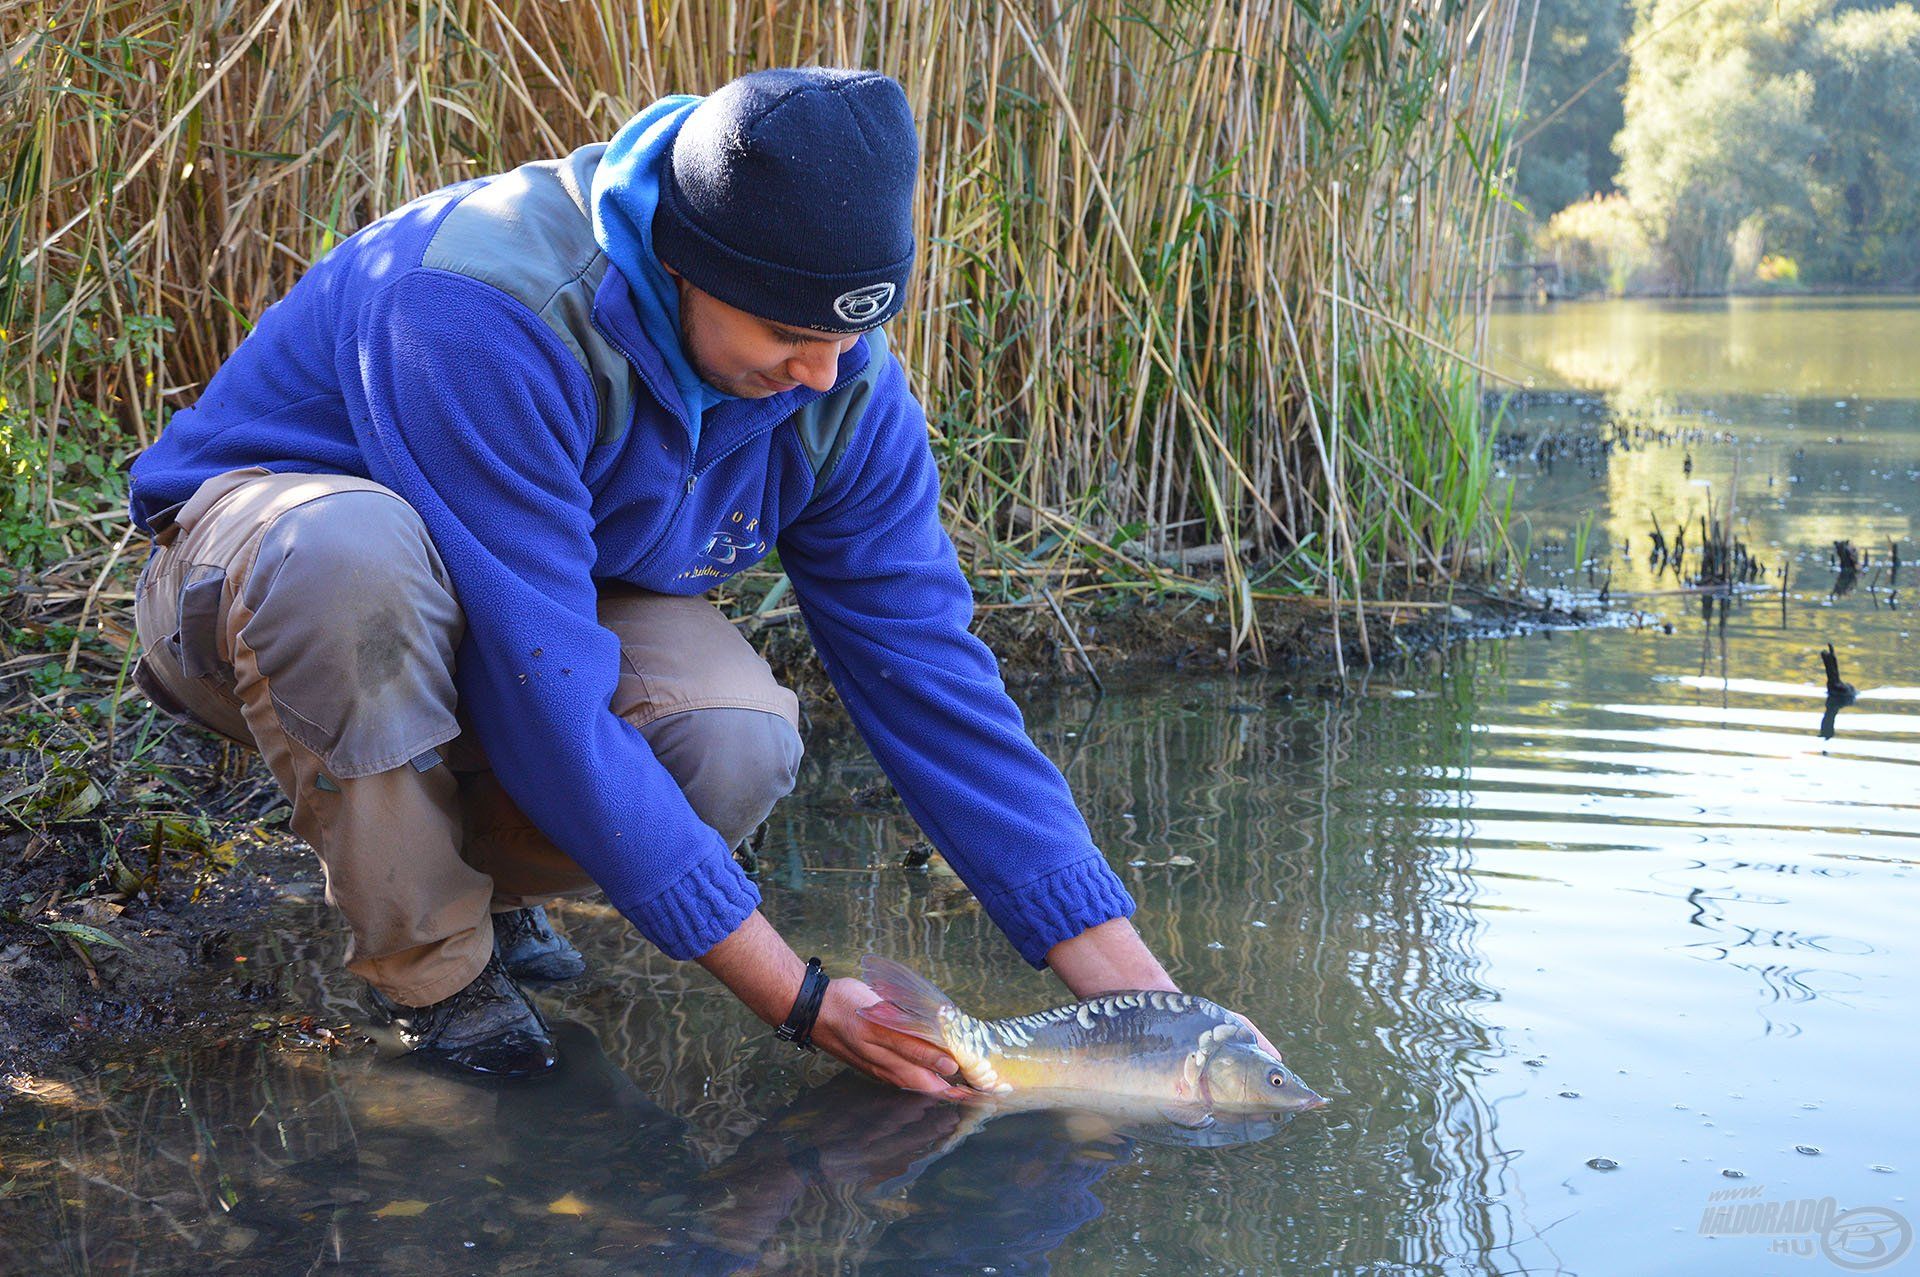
{"type": "Point", "coordinates": [433, 539]}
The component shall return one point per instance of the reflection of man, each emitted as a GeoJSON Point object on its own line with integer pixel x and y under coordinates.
{"type": "Point", "coordinates": [482, 461]}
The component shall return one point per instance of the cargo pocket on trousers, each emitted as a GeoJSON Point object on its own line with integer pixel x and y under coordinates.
{"type": "Point", "coordinates": [199, 637]}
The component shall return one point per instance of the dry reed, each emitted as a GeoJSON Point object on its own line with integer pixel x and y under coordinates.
{"type": "Point", "coordinates": [1196, 281]}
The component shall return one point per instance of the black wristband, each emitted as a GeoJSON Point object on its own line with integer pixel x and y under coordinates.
{"type": "Point", "coordinates": [806, 1008]}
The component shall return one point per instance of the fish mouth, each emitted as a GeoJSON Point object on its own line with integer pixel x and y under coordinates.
{"type": "Point", "coordinates": [1304, 1099]}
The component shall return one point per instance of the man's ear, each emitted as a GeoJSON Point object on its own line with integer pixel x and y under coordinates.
{"type": "Point", "coordinates": [670, 270]}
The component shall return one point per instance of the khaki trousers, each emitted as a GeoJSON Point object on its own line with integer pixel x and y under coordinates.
{"type": "Point", "coordinates": [310, 617]}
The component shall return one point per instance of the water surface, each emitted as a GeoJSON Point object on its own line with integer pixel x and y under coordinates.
{"type": "Point", "coordinates": [1577, 930]}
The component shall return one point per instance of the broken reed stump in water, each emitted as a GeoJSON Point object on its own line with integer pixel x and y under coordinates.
{"type": "Point", "coordinates": [1725, 559]}
{"type": "Point", "coordinates": [1847, 562]}
{"type": "Point", "coordinates": [1839, 694]}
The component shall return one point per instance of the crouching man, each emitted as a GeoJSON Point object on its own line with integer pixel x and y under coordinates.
{"type": "Point", "coordinates": [434, 540]}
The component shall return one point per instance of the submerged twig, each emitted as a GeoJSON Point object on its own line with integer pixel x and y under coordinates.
{"type": "Point", "coordinates": [1074, 638]}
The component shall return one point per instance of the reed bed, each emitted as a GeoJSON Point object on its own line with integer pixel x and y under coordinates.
{"type": "Point", "coordinates": [1197, 307]}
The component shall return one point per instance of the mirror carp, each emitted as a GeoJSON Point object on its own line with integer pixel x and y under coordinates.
{"type": "Point", "coordinates": [1183, 1055]}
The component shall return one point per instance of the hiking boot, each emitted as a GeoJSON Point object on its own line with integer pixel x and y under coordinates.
{"type": "Point", "coordinates": [488, 1027]}
{"type": "Point", "coordinates": [531, 950]}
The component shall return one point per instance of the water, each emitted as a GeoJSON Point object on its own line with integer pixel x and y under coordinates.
{"type": "Point", "coordinates": [1577, 930]}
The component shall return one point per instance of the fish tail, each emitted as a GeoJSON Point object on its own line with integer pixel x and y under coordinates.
{"type": "Point", "coordinates": [912, 1002]}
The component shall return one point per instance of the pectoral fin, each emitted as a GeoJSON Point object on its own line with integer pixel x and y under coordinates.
{"type": "Point", "coordinates": [1193, 1115]}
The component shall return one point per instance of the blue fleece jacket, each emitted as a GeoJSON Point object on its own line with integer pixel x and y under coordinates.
{"type": "Point", "coordinates": [460, 397]}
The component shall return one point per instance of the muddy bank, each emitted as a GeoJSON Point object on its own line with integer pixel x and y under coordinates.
{"type": "Point", "coordinates": [128, 874]}
{"type": "Point", "coordinates": [136, 851]}
{"type": "Point", "coordinates": [1128, 636]}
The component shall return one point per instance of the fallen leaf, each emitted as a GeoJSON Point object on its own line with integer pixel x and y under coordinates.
{"type": "Point", "coordinates": [568, 1205]}
{"type": "Point", "coordinates": [403, 1208]}
{"type": "Point", "coordinates": [85, 934]}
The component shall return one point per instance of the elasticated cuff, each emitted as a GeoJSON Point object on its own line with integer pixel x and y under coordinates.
{"type": "Point", "coordinates": [698, 910]}
{"type": "Point", "coordinates": [1042, 913]}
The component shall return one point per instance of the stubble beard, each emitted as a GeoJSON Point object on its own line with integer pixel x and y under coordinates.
{"type": "Point", "coordinates": [730, 385]}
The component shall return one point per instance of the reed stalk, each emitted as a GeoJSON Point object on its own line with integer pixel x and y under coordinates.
{"type": "Point", "coordinates": [1193, 273]}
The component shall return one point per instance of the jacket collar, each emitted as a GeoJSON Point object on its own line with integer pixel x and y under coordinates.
{"type": "Point", "coordinates": [726, 424]}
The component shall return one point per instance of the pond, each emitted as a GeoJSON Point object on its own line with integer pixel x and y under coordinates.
{"type": "Point", "coordinates": [1603, 953]}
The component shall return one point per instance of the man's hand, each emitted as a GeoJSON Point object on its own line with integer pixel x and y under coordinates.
{"type": "Point", "coordinates": [1265, 1045]}
{"type": "Point", "coordinates": [878, 1051]}
{"type": "Point", "coordinates": [1109, 958]}
{"type": "Point", "coordinates": [764, 972]}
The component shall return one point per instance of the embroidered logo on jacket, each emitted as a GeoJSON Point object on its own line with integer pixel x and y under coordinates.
{"type": "Point", "coordinates": [725, 547]}
{"type": "Point", "coordinates": [733, 546]}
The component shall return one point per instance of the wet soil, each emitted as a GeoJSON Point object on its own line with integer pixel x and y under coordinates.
{"type": "Point", "coordinates": [118, 915]}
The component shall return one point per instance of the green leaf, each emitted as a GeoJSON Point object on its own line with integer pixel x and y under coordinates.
{"type": "Point", "coordinates": [89, 796]}
{"type": "Point", "coordinates": [85, 934]}
{"type": "Point", "coordinates": [1316, 99]}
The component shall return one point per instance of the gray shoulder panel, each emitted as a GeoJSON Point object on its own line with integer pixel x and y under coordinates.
{"type": "Point", "coordinates": [826, 425]}
{"type": "Point", "coordinates": [529, 233]}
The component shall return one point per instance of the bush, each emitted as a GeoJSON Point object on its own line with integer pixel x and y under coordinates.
{"type": "Point", "coordinates": [1601, 247]}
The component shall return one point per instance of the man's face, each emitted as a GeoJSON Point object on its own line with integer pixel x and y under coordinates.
{"type": "Point", "coordinates": [752, 357]}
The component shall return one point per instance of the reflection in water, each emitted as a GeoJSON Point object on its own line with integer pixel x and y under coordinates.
{"type": "Point", "coordinates": [318, 1160]}
{"type": "Point", "coordinates": [1525, 911]}
{"type": "Point", "coordinates": [1817, 347]}
{"type": "Point", "coordinates": [679, 1133]}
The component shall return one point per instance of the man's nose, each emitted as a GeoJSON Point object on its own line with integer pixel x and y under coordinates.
{"type": "Point", "coordinates": [817, 366]}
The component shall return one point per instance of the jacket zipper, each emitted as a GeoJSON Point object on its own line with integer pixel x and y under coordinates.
{"type": "Point", "coordinates": [693, 479]}
{"type": "Point", "coordinates": [693, 476]}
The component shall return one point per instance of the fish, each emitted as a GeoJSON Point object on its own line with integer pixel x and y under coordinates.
{"type": "Point", "coordinates": [1178, 1054]}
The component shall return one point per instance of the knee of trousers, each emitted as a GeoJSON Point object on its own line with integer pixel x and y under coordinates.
{"type": "Point", "coordinates": [350, 616]}
{"type": "Point", "coordinates": [732, 764]}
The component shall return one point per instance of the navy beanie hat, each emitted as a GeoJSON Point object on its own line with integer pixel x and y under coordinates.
{"type": "Point", "coordinates": [789, 194]}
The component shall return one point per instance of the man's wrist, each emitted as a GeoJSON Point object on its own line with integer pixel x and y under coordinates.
{"type": "Point", "coordinates": [759, 967]}
{"type": "Point", "coordinates": [1106, 958]}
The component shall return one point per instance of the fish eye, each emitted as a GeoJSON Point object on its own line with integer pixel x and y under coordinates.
{"type": "Point", "coordinates": [1276, 1078]}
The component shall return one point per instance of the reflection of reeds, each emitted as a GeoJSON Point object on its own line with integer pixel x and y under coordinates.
{"type": "Point", "coordinates": [148, 1163]}
{"type": "Point", "coordinates": [1190, 274]}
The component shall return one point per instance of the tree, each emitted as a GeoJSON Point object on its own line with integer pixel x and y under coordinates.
{"type": "Point", "coordinates": [1865, 227]}
{"type": "Point", "coordinates": [1717, 127]}
{"type": "Point", "coordinates": [1575, 44]}
{"type": "Point", "coordinates": [1795, 124]}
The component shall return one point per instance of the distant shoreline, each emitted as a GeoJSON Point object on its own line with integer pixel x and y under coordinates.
{"type": "Point", "coordinates": [1535, 300]}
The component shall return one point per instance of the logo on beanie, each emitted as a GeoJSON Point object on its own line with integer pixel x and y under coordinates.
{"type": "Point", "coordinates": [860, 305]}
